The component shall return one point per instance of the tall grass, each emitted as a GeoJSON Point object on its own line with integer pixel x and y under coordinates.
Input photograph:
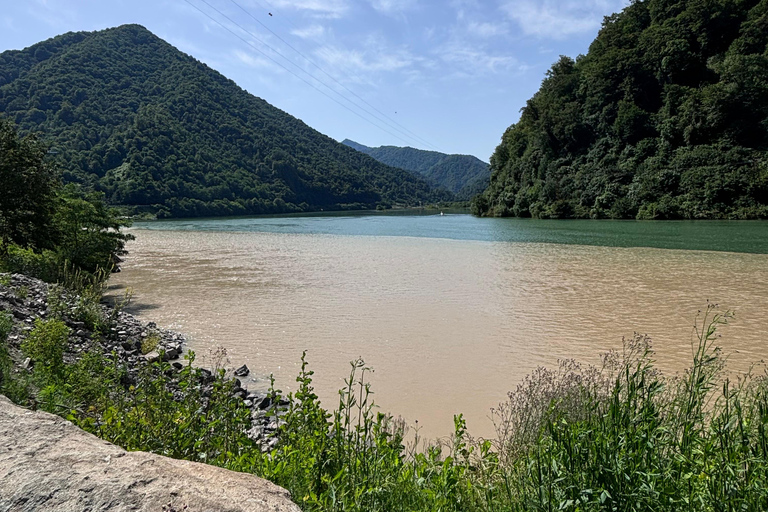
{"type": "Point", "coordinates": [618, 437]}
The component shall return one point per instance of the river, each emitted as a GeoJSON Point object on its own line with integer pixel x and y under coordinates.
{"type": "Point", "coordinates": [451, 311]}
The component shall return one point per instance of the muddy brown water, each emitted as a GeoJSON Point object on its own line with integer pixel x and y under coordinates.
{"type": "Point", "coordinates": [449, 326]}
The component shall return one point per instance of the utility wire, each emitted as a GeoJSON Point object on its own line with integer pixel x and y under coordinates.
{"type": "Point", "coordinates": [396, 126]}
{"type": "Point", "coordinates": [283, 67]}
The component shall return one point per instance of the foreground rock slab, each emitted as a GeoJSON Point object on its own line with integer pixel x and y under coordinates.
{"type": "Point", "coordinates": [46, 463]}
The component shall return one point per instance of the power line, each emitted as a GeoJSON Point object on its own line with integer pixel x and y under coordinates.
{"type": "Point", "coordinates": [396, 126]}
{"type": "Point", "coordinates": [351, 72]}
{"type": "Point", "coordinates": [285, 68]}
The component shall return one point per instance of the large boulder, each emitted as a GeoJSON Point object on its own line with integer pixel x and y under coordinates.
{"type": "Point", "coordinates": [46, 463]}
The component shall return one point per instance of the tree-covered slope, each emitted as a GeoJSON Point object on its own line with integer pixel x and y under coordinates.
{"type": "Point", "coordinates": [130, 115]}
{"type": "Point", "coordinates": [464, 175]}
{"type": "Point", "coordinates": [665, 117]}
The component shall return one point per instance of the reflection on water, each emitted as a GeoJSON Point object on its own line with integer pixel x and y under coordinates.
{"type": "Point", "coordinates": [448, 325]}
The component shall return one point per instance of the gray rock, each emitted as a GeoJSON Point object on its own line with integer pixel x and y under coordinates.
{"type": "Point", "coordinates": [151, 357]}
{"type": "Point", "coordinates": [46, 463]}
{"type": "Point", "coordinates": [243, 371]}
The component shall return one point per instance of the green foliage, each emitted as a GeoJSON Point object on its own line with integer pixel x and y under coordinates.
{"type": "Point", "coordinates": [151, 127]}
{"type": "Point", "coordinates": [83, 237]}
{"type": "Point", "coordinates": [45, 345]}
{"type": "Point", "coordinates": [463, 175]}
{"type": "Point", "coordinates": [620, 437]}
{"type": "Point", "coordinates": [90, 236]}
{"type": "Point", "coordinates": [43, 265]}
{"type": "Point", "coordinates": [6, 364]}
{"type": "Point", "coordinates": [29, 186]}
{"type": "Point", "coordinates": [21, 292]}
{"type": "Point", "coordinates": [664, 118]}
{"type": "Point", "coordinates": [174, 417]}
{"type": "Point", "coordinates": [13, 384]}
{"type": "Point", "coordinates": [150, 343]}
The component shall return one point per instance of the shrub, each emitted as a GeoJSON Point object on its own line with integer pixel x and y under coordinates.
{"type": "Point", "coordinates": [45, 345]}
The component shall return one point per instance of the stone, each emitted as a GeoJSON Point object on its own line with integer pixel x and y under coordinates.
{"type": "Point", "coordinates": [46, 463]}
{"type": "Point", "coordinates": [151, 357]}
{"type": "Point", "coordinates": [206, 375]}
{"type": "Point", "coordinates": [243, 371]}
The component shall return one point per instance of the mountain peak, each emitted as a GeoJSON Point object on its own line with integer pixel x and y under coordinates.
{"type": "Point", "coordinates": [155, 129]}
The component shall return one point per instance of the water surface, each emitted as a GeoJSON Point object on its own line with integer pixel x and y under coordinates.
{"type": "Point", "coordinates": [451, 311]}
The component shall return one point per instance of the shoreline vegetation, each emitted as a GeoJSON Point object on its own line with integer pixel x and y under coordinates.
{"type": "Point", "coordinates": [663, 118]}
{"type": "Point", "coordinates": [620, 436]}
{"type": "Point", "coordinates": [427, 209]}
{"type": "Point", "coordinates": [687, 139]}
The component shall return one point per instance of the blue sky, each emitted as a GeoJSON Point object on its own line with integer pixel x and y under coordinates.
{"type": "Point", "coordinates": [449, 76]}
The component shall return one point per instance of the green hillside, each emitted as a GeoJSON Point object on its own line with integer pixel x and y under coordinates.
{"type": "Point", "coordinates": [128, 114]}
{"type": "Point", "coordinates": [665, 117]}
{"type": "Point", "coordinates": [464, 175]}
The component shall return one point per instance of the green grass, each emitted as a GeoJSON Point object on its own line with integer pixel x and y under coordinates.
{"type": "Point", "coordinates": [619, 437]}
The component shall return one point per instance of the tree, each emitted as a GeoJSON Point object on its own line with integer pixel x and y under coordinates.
{"type": "Point", "coordinates": [60, 227]}
{"type": "Point", "coordinates": [88, 231]}
{"type": "Point", "coordinates": [28, 187]}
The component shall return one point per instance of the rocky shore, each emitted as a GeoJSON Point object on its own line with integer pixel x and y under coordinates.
{"type": "Point", "coordinates": [46, 463]}
{"type": "Point", "coordinates": [135, 343]}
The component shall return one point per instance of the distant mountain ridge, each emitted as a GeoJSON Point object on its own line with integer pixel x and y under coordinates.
{"type": "Point", "coordinates": [130, 115]}
{"type": "Point", "coordinates": [464, 175]}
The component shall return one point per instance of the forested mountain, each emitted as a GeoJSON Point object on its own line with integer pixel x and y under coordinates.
{"type": "Point", "coordinates": [665, 117]}
{"type": "Point", "coordinates": [128, 114]}
{"type": "Point", "coordinates": [464, 175]}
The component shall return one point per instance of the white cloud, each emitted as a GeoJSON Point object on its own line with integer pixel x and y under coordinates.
{"type": "Point", "coordinates": [250, 60]}
{"type": "Point", "coordinates": [486, 30]}
{"type": "Point", "coordinates": [321, 8]}
{"type": "Point", "coordinates": [558, 19]}
{"type": "Point", "coordinates": [310, 32]}
{"type": "Point", "coordinates": [392, 6]}
{"type": "Point", "coordinates": [466, 60]}
{"type": "Point", "coordinates": [369, 61]}
{"type": "Point", "coordinates": [462, 6]}
{"type": "Point", "coordinates": [51, 15]}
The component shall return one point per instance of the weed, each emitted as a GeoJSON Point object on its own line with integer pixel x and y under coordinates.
{"type": "Point", "coordinates": [21, 292]}
{"type": "Point", "coordinates": [57, 302]}
{"type": "Point", "coordinates": [620, 437]}
{"type": "Point", "coordinates": [45, 345]}
{"type": "Point", "coordinates": [150, 343]}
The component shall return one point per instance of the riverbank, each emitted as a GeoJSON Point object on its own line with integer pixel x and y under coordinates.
{"type": "Point", "coordinates": [103, 330]}
{"type": "Point", "coordinates": [46, 463]}
{"type": "Point", "coordinates": [620, 436]}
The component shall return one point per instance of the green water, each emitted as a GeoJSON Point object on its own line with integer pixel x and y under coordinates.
{"type": "Point", "coordinates": [732, 236]}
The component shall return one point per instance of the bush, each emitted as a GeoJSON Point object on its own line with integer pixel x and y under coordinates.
{"type": "Point", "coordinates": [45, 345]}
